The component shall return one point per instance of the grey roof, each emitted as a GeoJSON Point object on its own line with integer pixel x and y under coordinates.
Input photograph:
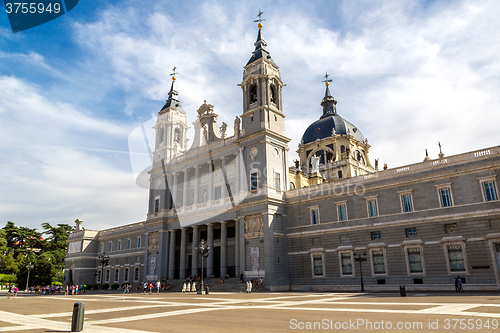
{"type": "Point", "coordinates": [260, 49]}
{"type": "Point", "coordinates": [172, 101]}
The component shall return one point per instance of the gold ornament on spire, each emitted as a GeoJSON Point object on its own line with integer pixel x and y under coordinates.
{"type": "Point", "coordinates": [260, 19]}
{"type": "Point", "coordinates": [173, 73]}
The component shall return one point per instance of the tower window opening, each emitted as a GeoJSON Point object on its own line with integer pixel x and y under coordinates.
{"type": "Point", "coordinates": [342, 149]}
{"type": "Point", "coordinates": [253, 94]}
{"type": "Point", "coordinates": [273, 94]}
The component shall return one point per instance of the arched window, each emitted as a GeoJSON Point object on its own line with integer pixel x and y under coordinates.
{"type": "Point", "coordinates": [292, 186]}
{"type": "Point", "coordinates": [342, 149]}
{"type": "Point", "coordinates": [177, 135]}
{"type": "Point", "coordinates": [253, 94]}
{"type": "Point", "coordinates": [273, 94]}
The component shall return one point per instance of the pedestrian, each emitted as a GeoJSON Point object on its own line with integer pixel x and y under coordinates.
{"type": "Point", "coordinates": [145, 287]}
{"type": "Point", "coordinates": [460, 284]}
{"type": "Point", "coordinates": [150, 287]}
{"type": "Point", "coordinates": [9, 293]}
{"type": "Point", "coordinates": [457, 289]}
{"type": "Point", "coordinates": [158, 284]}
{"type": "Point", "coordinates": [16, 289]}
{"type": "Point", "coordinates": [66, 292]}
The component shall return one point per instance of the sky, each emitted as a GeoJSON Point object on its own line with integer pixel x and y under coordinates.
{"type": "Point", "coordinates": [408, 74]}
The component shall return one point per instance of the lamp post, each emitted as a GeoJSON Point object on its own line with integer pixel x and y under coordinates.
{"type": "Point", "coordinates": [29, 267]}
{"type": "Point", "coordinates": [203, 249]}
{"type": "Point", "coordinates": [360, 258]}
{"type": "Point", "coordinates": [104, 260]}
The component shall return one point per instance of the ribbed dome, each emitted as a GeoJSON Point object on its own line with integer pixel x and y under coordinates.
{"type": "Point", "coordinates": [323, 128]}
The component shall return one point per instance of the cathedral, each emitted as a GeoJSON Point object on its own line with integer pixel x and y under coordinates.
{"type": "Point", "coordinates": [321, 224]}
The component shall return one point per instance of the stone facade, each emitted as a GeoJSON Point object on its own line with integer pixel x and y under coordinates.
{"type": "Point", "coordinates": [303, 227]}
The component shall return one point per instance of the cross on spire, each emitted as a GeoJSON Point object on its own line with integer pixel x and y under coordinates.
{"type": "Point", "coordinates": [260, 16]}
{"type": "Point", "coordinates": [173, 71]}
{"type": "Point", "coordinates": [326, 80]}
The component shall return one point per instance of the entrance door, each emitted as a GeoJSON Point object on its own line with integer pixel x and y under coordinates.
{"type": "Point", "coordinates": [189, 264]}
{"type": "Point", "coordinates": [497, 253]}
{"type": "Point", "coordinates": [217, 261]}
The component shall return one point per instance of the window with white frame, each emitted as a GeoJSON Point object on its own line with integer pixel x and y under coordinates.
{"type": "Point", "coordinates": [108, 273]}
{"type": "Point", "coordinates": [318, 265]}
{"type": "Point", "coordinates": [102, 247]}
{"type": "Point", "coordinates": [117, 274]}
{"type": "Point", "coordinates": [99, 276]}
{"type": "Point", "coordinates": [277, 180]}
{"type": "Point", "coordinates": [344, 239]}
{"type": "Point", "coordinates": [138, 242]}
{"type": "Point", "coordinates": [376, 235]}
{"type": "Point", "coordinates": [314, 211]}
{"type": "Point", "coordinates": [411, 232]}
{"type": "Point", "coordinates": [372, 206]}
{"type": "Point", "coordinates": [456, 259]}
{"type": "Point", "coordinates": [378, 261]}
{"type": "Point", "coordinates": [451, 228]}
{"type": "Point", "coordinates": [444, 195]}
{"type": "Point", "coordinates": [489, 188]}
{"type": "Point", "coordinates": [346, 264]}
{"type": "Point", "coordinates": [406, 201]}
{"type": "Point", "coordinates": [136, 274]}
{"type": "Point", "coordinates": [128, 243]}
{"type": "Point", "coordinates": [125, 274]}
{"type": "Point", "coordinates": [254, 183]}
{"type": "Point", "coordinates": [414, 260]}
{"type": "Point", "coordinates": [110, 246]}
{"type": "Point", "coordinates": [157, 204]}
{"type": "Point", "coordinates": [341, 210]}
{"type": "Point", "coordinates": [119, 245]}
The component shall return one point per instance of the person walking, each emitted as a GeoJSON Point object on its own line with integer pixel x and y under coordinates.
{"type": "Point", "coordinates": [66, 291]}
{"type": "Point", "coordinates": [460, 284]}
{"type": "Point", "coordinates": [9, 293]}
{"type": "Point", "coordinates": [456, 285]}
{"type": "Point", "coordinates": [158, 285]}
{"type": "Point", "coordinates": [16, 289]}
{"type": "Point", "coordinates": [145, 287]}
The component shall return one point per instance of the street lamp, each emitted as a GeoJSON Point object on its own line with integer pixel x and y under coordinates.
{"type": "Point", "coordinates": [29, 267]}
{"type": "Point", "coordinates": [360, 258]}
{"type": "Point", "coordinates": [203, 250]}
{"type": "Point", "coordinates": [104, 260]}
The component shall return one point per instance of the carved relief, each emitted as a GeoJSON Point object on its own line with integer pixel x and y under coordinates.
{"type": "Point", "coordinates": [253, 224]}
{"type": "Point", "coordinates": [154, 241]}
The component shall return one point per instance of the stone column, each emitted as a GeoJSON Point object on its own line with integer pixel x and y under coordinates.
{"type": "Point", "coordinates": [194, 254]}
{"type": "Point", "coordinates": [210, 242]}
{"type": "Point", "coordinates": [160, 262]}
{"type": "Point", "coordinates": [210, 181]}
{"type": "Point", "coordinates": [223, 249]}
{"type": "Point", "coordinates": [185, 189]}
{"type": "Point", "coordinates": [174, 191]}
{"type": "Point", "coordinates": [171, 256]}
{"type": "Point", "coordinates": [241, 222]}
{"type": "Point", "coordinates": [237, 175]}
{"type": "Point", "coordinates": [196, 184]}
{"type": "Point", "coordinates": [223, 192]}
{"type": "Point", "coordinates": [182, 274]}
{"type": "Point", "coordinates": [164, 249]}
{"type": "Point", "coordinates": [168, 193]}
{"type": "Point", "coordinates": [237, 248]}
{"type": "Point", "coordinates": [146, 250]}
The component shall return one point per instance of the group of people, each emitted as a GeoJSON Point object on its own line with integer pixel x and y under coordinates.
{"type": "Point", "coordinates": [150, 286]}
{"type": "Point", "coordinates": [13, 289]}
{"type": "Point", "coordinates": [74, 289]}
{"type": "Point", "coordinates": [458, 284]}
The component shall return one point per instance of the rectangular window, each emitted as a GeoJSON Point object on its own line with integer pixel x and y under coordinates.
{"type": "Point", "coordinates": [445, 196]}
{"type": "Point", "coordinates": [315, 216]}
{"type": "Point", "coordinates": [117, 274]}
{"type": "Point", "coordinates": [340, 174]}
{"type": "Point", "coordinates": [318, 264]}
{"type": "Point", "coordinates": [341, 210]}
{"type": "Point", "coordinates": [102, 247]}
{"type": "Point", "coordinates": [411, 232]}
{"type": "Point", "coordinates": [346, 263]}
{"type": "Point", "coordinates": [376, 235]}
{"type": "Point", "coordinates": [406, 203]}
{"type": "Point", "coordinates": [136, 274]}
{"type": "Point", "coordinates": [119, 245]}
{"type": "Point", "coordinates": [277, 181]}
{"type": "Point", "coordinates": [125, 275]}
{"type": "Point", "coordinates": [456, 258]}
{"type": "Point", "coordinates": [128, 244]}
{"type": "Point", "coordinates": [99, 276]}
{"type": "Point", "coordinates": [139, 242]}
{"type": "Point", "coordinates": [157, 205]}
{"type": "Point", "coordinates": [378, 262]}
{"type": "Point", "coordinates": [253, 181]}
{"type": "Point", "coordinates": [108, 273]}
{"type": "Point", "coordinates": [344, 239]}
{"type": "Point", "coordinates": [110, 247]}
{"type": "Point", "coordinates": [414, 260]}
{"type": "Point", "coordinates": [489, 191]}
{"type": "Point", "coordinates": [450, 228]}
{"type": "Point", "coordinates": [372, 208]}
{"type": "Point", "coordinates": [217, 194]}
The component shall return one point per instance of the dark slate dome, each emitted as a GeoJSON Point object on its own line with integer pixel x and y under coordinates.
{"type": "Point", "coordinates": [323, 127]}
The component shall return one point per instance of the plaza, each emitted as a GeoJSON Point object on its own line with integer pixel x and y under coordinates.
{"type": "Point", "coordinates": [256, 312]}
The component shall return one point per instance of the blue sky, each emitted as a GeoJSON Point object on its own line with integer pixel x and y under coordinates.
{"type": "Point", "coordinates": [407, 73]}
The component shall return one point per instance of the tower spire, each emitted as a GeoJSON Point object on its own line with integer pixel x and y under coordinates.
{"type": "Point", "coordinates": [172, 101]}
{"type": "Point", "coordinates": [260, 44]}
{"type": "Point", "coordinates": [329, 103]}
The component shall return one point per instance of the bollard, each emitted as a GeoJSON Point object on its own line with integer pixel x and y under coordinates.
{"type": "Point", "coordinates": [78, 314]}
{"type": "Point", "coordinates": [207, 290]}
{"type": "Point", "coordinates": [402, 291]}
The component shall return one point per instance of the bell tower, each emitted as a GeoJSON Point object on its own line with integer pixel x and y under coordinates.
{"type": "Point", "coordinates": [261, 86]}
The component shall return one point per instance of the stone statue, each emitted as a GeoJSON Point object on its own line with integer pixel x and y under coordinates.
{"type": "Point", "coordinates": [348, 131]}
{"type": "Point", "coordinates": [152, 267]}
{"type": "Point", "coordinates": [348, 151]}
{"type": "Point", "coordinates": [366, 140]}
{"type": "Point", "coordinates": [297, 164]}
{"type": "Point", "coordinates": [376, 164]}
{"type": "Point", "coordinates": [315, 164]}
{"type": "Point", "coordinates": [237, 122]}
{"type": "Point", "coordinates": [205, 133]}
{"type": "Point", "coordinates": [205, 196]}
{"type": "Point", "coordinates": [385, 166]}
{"type": "Point", "coordinates": [254, 258]}
{"type": "Point", "coordinates": [223, 130]}
{"type": "Point", "coordinates": [334, 132]}
{"type": "Point", "coordinates": [193, 287]}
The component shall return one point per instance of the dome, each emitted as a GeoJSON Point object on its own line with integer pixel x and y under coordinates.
{"type": "Point", "coordinates": [323, 128]}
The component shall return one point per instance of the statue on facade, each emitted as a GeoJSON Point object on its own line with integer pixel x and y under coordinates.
{"type": "Point", "coordinates": [334, 132]}
{"type": "Point", "coordinates": [297, 164]}
{"type": "Point", "coordinates": [376, 164]}
{"type": "Point", "coordinates": [237, 122]}
{"type": "Point", "coordinates": [254, 258]}
{"type": "Point", "coordinates": [315, 164]}
{"type": "Point", "coordinates": [385, 166]}
{"type": "Point", "coordinates": [223, 130]}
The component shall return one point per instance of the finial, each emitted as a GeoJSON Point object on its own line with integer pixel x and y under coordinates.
{"type": "Point", "coordinates": [327, 82]}
{"type": "Point", "coordinates": [441, 155]}
{"type": "Point", "coordinates": [260, 19]}
{"type": "Point", "coordinates": [174, 73]}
